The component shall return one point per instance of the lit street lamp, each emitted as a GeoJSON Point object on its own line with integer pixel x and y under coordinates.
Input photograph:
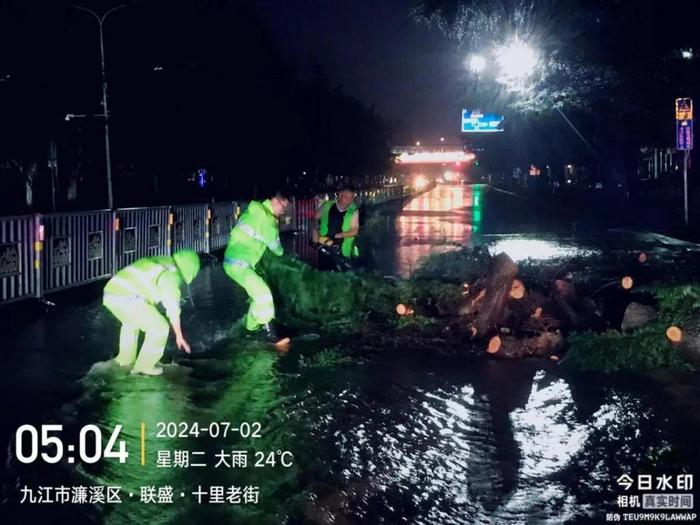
{"type": "Point", "coordinates": [477, 63]}
{"type": "Point", "coordinates": [105, 114]}
{"type": "Point", "coordinates": [516, 62]}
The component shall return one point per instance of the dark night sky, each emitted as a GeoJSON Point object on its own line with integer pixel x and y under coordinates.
{"type": "Point", "coordinates": [408, 71]}
{"type": "Point", "coordinates": [222, 66]}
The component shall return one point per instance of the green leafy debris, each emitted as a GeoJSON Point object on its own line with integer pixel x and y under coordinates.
{"type": "Point", "coordinates": [328, 358]}
{"type": "Point", "coordinates": [306, 297]}
{"type": "Point", "coordinates": [643, 349]}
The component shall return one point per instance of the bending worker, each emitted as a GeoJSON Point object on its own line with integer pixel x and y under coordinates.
{"type": "Point", "coordinates": [339, 223]}
{"type": "Point", "coordinates": [256, 231]}
{"type": "Point", "coordinates": [133, 294]}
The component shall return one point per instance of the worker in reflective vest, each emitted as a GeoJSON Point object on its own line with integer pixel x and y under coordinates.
{"type": "Point", "coordinates": [256, 231]}
{"type": "Point", "coordinates": [339, 223]}
{"type": "Point", "coordinates": [133, 295]}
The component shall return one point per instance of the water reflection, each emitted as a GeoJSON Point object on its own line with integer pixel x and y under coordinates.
{"type": "Point", "coordinates": [519, 248]}
{"type": "Point", "coordinates": [434, 222]}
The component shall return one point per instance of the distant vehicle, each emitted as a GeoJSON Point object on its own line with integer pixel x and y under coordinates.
{"type": "Point", "coordinates": [598, 185]}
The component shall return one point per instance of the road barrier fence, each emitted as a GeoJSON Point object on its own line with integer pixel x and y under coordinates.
{"type": "Point", "coordinates": [45, 253]}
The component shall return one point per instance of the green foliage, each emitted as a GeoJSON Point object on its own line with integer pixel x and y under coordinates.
{"type": "Point", "coordinates": [643, 349]}
{"type": "Point", "coordinates": [328, 301]}
{"type": "Point", "coordinates": [613, 351]}
{"type": "Point", "coordinates": [328, 358]}
{"type": "Point", "coordinates": [430, 296]}
{"type": "Point", "coordinates": [306, 297]}
{"type": "Point", "coordinates": [677, 303]}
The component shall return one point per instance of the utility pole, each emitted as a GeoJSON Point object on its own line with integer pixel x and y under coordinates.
{"type": "Point", "coordinates": [105, 112]}
{"type": "Point", "coordinates": [53, 165]}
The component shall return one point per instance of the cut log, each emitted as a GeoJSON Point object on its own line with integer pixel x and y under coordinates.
{"type": "Point", "coordinates": [580, 312]}
{"type": "Point", "coordinates": [637, 315]}
{"type": "Point", "coordinates": [543, 345]}
{"type": "Point", "coordinates": [565, 297]}
{"type": "Point", "coordinates": [674, 334]}
{"type": "Point", "coordinates": [496, 293]}
{"type": "Point", "coordinates": [627, 282]}
{"type": "Point", "coordinates": [403, 309]}
{"type": "Point", "coordinates": [522, 310]}
{"type": "Point", "coordinates": [517, 289]}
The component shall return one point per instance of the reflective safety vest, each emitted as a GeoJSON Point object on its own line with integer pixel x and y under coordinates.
{"type": "Point", "coordinates": [347, 248]}
{"type": "Point", "coordinates": [155, 279]}
{"type": "Point", "coordinates": [256, 231]}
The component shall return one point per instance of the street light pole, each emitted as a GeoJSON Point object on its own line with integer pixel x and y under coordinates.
{"type": "Point", "coordinates": [100, 21]}
{"type": "Point", "coordinates": [686, 154]}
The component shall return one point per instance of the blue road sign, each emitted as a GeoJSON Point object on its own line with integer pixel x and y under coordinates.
{"type": "Point", "coordinates": [684, 135]}
{"type": "Point", "coordinates": [478, 122]}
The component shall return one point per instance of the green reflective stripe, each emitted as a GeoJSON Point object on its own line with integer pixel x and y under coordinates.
{"type": "Point", "coordinates": [256, 231]}
{"type": "Point", "coordinates": [120, 283]}
{"type": "Point", "coordinates": [121, 298]}
{"type": "Point", "coordinates": [274, 245]}
{"type": "Point", "coordinates": [141, 278]}
{"type": "Point", "coordinates": [250, 232]}
{"type": "Point", "coordinates": [239, 263]}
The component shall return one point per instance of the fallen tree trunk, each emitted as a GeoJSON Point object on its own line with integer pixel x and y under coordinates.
{"type": "Point", "coordinates": [580, 312]}
{"type": "Point", "coordinates": [499, 282]}
{"type": "Point", "coordinates": [543, 345]}
{"type": "Point", "coordinates": [519, 312]}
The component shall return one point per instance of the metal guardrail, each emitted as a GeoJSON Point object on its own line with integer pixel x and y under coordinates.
{"type": "Point", "coordinates": [141, 232]}
{"type": "Point", "coordinates": [19, 263]}
{"type": "Point", "coordinates": [47, 253]}
{"type": "Point", "coordinates": [191, 227]}
{"type": "Point", "coordinates": [223, 217]}
{"type": "Point", "coordinates": [77, 248]}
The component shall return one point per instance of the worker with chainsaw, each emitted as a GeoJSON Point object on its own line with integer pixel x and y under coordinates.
{"type": "Point", "coordinates": [338, 227]}
{"type": "Point", "coordinates": [133, 296]}
{"type": "Point", "coordinates": [256, 231]}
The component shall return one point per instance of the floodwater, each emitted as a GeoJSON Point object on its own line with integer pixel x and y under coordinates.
{"type": "Point", "coordinates": [397, 438]}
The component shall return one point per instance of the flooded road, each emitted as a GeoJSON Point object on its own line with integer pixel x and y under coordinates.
{"type": "Point", "coordinates": [401, 438]}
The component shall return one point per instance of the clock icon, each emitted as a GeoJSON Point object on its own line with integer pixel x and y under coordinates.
{"type": "Point", "coordinates": [71, 448]}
